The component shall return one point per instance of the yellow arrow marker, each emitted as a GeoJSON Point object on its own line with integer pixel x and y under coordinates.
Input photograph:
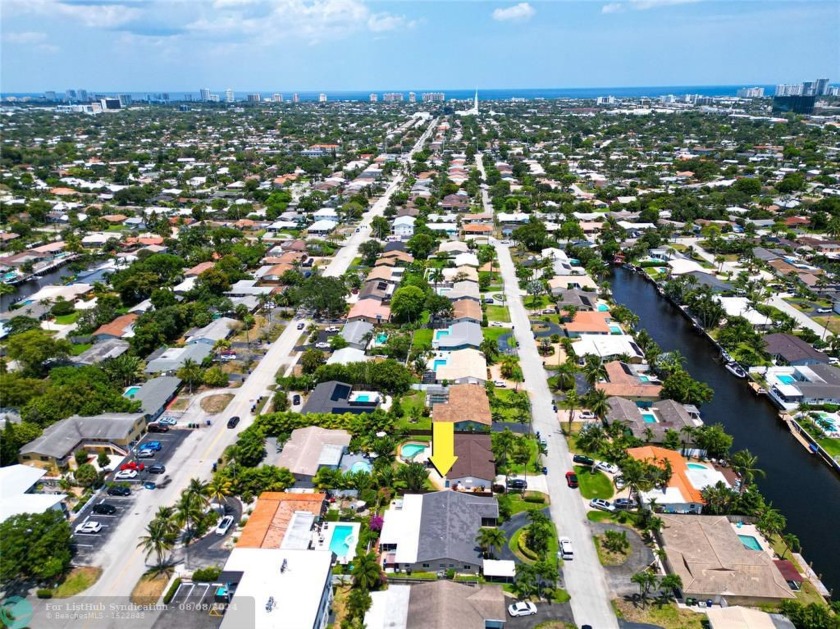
{"type": "Point", "coordinates": [443, 446]}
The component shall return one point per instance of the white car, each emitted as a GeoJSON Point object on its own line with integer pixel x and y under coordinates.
{"type": "Point", "coordinates": [332, 328]}
{"type": "Point", "coordinates": [146, 454]}
{"type": "Point", "coordinates": [565, 551]}
{"type": "Point", "coordinates": [125, 474]}
{"type": "Point", "coordinates": [89, 528]}
{"type": "Point", "coordinates": [603, 505]}
{"type": "Point", "coordinates": [500, 383]}
{"type": "Point", "coordinates": [224, 525]}
{"type": "Point", "coordinates": [322, 345]}
{"type": "Point", "coordinates": [609, 468]}
{"type": "Point", "coordinates": [522, 608]}
{"type": "Point", "coordinates": [586, 415]}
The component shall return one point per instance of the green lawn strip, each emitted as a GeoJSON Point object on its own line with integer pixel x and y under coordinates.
{"type": "Point", "coordinates": [593, 484]}
{"type": "Point", "coordinates": [77, 581]}
{"type": "Point", "coordinates": [498, 313]}
{"type": "Point", "coordinates": [68, 319]}
{"type": "Point", "coordinates": [494, 334]}
{"type": "Point", "coordinates": [75, 350]}
{"type": "Point", "coordinates": [422, 338]}
{"type": "Point", "coordinates": [518, 504]}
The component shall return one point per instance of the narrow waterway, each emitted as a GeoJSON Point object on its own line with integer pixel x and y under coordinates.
{"type": "Point", "coordinates": [25, 289]}
{"type": "Point", "coordinates": [805, 490]}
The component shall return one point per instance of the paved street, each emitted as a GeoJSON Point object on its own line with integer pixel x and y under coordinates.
{"type": "Point", "coordinates": [584, 576]}
{"type": "Point", "coordinates": [800, 317]}
{"type": "Point", "coordinates": [122, 561]}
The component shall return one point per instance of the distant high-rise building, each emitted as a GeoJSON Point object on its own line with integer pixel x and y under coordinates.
{"type": "Point", "coordinates": [833, 91]}
{"type": "Point", "coordinates": [322, 98]}
{"type": "Point", "coordinates": [821, 87]}
{"type": "Point", "coordinates": [751, 92]}
{"type": "Point", "coordinates": [392, 97]}
{"type": "Point", "coordinates": [808, 88]}
{"type": "Point", "coordinates": [111, 104]}
{"type": "Point", "coordinates": [433, 97]}
{"type": "Point", "coordinates": [373, 98]}
{"type": "Point", "coordinates": [70, 94]}
{"type": "Point", "coordinates": [412, 97]}
{"type": "Point", "coordinates": [229, 95]}
{"type": "Point", "coordinates": [797, 104]}
{"type": "Point", "coordinates": [605, 100]}
{"type": "Point", "coordinates": [253, 98]}
{"type": "Point", "coordinates": [277, 98]}
{"type": "Point", "coordinates": [204, 93]}
{"type": "Point", "coordinates": [214, 98]}
{"type": "Point", "coordinates": [83, 95]}
{"type": "Point", "coordinates": [295, 98]}
{"type": "Point", "coordinates": [126, 100]}
{"type": "Point", "coordinates": [50, 95]}
{"type": "Point", "coordinates": [788, 90]}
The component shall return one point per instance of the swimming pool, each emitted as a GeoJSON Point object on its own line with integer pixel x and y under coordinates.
{"type": "Point", "coordinates": [439, 362]}
{"type": "Point", "coordinates": [439, 334]}
{"type": "Point", "coordinates": [362, 397]}
{"type": "Point", "coordinates": [750, 542]}
{"type": "Point", "coordinates": [411, 450]}
{"type": "Point", "coordinates": [785, 379]}
{"type": "Point", "coordinates": [603, 308]}
{"type": "Point", "coordinates": [615, 329]}
{"type": "Point", "coordinates": [696, 466]}
{"type": "Point", "coordinates": [342, 540]}
{"type": "Point", "coordinates": [131, 391]}
{"type": "Point", "coordinates": [381, 338]}
{"type": "Point", "coordinates": [361, 466]}
{"type": "Point", "coordinates": [644, 379]}
{"type": "Point", "coordinates": [649, 418]}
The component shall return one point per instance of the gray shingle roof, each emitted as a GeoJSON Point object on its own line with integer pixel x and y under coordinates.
{"type": "Point", "coordinates": [449, 525]}
{"type": "Point", "coordinates": [792, 348]}
{"type": "Point", "coordinates": [156, 392]}
{"type": "Point", "coordinates": [446, 604]}
{"type": "Point", "coordinates": [60, 439]}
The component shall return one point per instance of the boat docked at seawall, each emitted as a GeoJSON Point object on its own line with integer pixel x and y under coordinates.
{"type": "Point", "coordinates": [735, 369]}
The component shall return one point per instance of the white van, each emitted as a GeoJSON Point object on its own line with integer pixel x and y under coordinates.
{"type": "Point", "coordinates": [565, 551]}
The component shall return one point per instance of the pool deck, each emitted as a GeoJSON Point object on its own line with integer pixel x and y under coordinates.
{"type": "Point", "coordinates": [322, 537]}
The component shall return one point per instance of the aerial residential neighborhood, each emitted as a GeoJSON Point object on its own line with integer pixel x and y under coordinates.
{"type": "Point", "coordinates": [434, 363]}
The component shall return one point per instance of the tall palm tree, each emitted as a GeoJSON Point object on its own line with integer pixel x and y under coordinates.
{"type": "Point", "coordinates": [572, 402]}
{"type": "Point", "coordinates": [594, 371]}
{"type": "Point", "coordinates": [745, 464]}
{"type": "Point", "coordinates": [436, 276]}
{"type": "Point", "coordinates": [190, 372]}
{"type": "Point", "coordinates": [366, 571]}
{"type": "Point", "coordinates": [124, 369]}
{"type": "Point", "coordinates": [596, 400]}
{"type": "Point", "coordinates": [218, 489]}
{"type": "Point", "coordinates": [159, 540]}
{"type": "Point", "coordinates": [490, 539]}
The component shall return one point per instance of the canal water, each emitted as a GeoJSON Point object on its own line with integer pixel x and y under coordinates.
{"type": "Point", "coordinates": [805, 490]}
{"type": "Point", "coordinates": [25, 289]}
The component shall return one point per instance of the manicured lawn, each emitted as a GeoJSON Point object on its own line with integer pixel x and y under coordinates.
{"type": "Point", "coordinates": [607, 557]}
{"type": "Point", "coordinates": [422, 338]}
{"type": "Point", "coordinates": [75, 350]}
{"type": "Point", "coordinates": [505, 405]}
{"type": "Point", "coordinates": [408, 402]}
{"type": "Point", "coordinates": [68, 319]}
{"type": "Point", "coordinates": [668, 616]}
{"type": "Point", "coordinates": [519, 504]}
{"type": "Point", "coordinates": [498, 313]}
{"type": "Point", "coordinates": [494, 333]}
{"type": "Point", "coordinates": [832, 446]}
{"type": "Point", "coordinates": [77, 581]}
{"type": "Point", "coordinates": [534, 465]}
{"type": "Point", "coordinates": [597, 485]}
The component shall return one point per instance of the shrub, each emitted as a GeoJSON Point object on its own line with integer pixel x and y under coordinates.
{"type": "Point", "coordinates": [170, 593]}
{"type": "Point", "coordinates": [534, 496]}
{"type": "Point", "coordinates": [207, 575]}
{"type": "Point", "coordinates": [44, 593]}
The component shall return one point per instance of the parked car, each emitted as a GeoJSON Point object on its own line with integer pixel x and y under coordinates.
{"type": "Point", "coordinates": [586, 415]}
{"type": "Point", "coordinates": [89, 528]}
{"type": "Point", "coordinates": [583, 459]}
{"type": "Point", "coordinates": [332, 328]}
{"type": "Point", "coordinates": [566, 551]}
{"type": "Point", "coordinates": [167, 421]}
{"type": "Point", "coordinates": [488, 300]}
{"type": "Point", "coordinates": [152, 445]}
{"type": "Point", "coordinates": [823, 310]}
{"type": "Point", "coordinates": [224, 525]}
{"type": "Point", "coordinates": [300, 326]}
{"type": "Point", "coordinates": [322, 345]}
{"type": "Point", "coordinates": [119, 490]}
{"type": "Point", "coordinates": [233, 421]}
{"type": "Point", "coordinates": [157, 428]}
{"type": "Point", "coordinates": [125, 474]}
{"type": "Point", "coordinates": [146, 453]}
{"type": "Point", "coordinates": [619, 482]}
{"type": "Point", "coordinates": [226, 358]}
{"type": "Point", "coordinates": [623, 504]}
{"type": "Point", "coordinates": [500, 383]}
{"type": "Point", "coordinates": [571, 479]}
{"type": "Point", "coordinates": [603, 505]}
{"type": "Point", "coordinates": [149, 484]}
{"type": "Point", "coordinates": [132, 465]}
{"type": "Point", "coordinates": [522, 608]}
{"type": "Point", "coordinates": [157, 468]}
{"type": "Point", "coordinates": [517, 483]}
{"type": "Point", "coordinates": [296, 399]}
{"type": "Point", "coordinates": [103, 508]}
{"type": "Point", "coordinates": [609, 468]}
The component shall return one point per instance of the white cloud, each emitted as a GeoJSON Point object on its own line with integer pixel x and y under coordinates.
{"type": "Point", "coordinates": [642, 5]}
{"type": "Point", "coordinates": [381, 22]}
{"type": "Point", "coordinates": [613, 7]}
{"type": "Point", "coordinates": [27, 37]}
{"type": "Point", "coordinates": [518, 13]}
{"type": "Point", "coordinates": [97, 15]}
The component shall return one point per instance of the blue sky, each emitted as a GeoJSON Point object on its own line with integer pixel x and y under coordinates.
{"type": "Point", "coordinates": [303, 45]}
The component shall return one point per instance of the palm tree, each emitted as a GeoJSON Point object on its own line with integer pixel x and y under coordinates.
{"type": "Point", "coordinates": [596, 400]}
{"type": "Point", "coordinates": [414, 475]}
{"type": "Point", "coordinates": [646, 580]}
{"type": "Point", "coordinates": [124, 369]}
{"type": "Point", "coordinates": [572, 402]}
{"type": "Point", "coordinates": [159, 539]}
{"type": "Point", "coordinates": [745, 464]}
{"type": "Point", "coordinates": [770, 521]}
{"type": "Point", "coordinates": [490, 539]}
{"type": "Point", "coordinates": [366, 571]}
{"type": "Point", "coordinates": [595, 371]}
{"type": "Point", "coordinates": [218, 489]}
{"type": "Point", "coordinates": [190, 372]}
{"type": "Point", "coordinates": [565, 377]}
{"type": "Point", "coordinates": [591, 438]}
{"type": "Point", "coordinates": [436, 276]}
{"type": "Point", "coordinates": [791, 542]}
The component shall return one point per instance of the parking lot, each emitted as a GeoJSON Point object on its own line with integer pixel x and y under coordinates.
{"type": "Point", "coordinates": [192, 607]}
{"type": "Point", "coordinates": [88, 544]}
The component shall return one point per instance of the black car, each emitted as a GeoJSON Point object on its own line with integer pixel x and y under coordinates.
{"type": "Point", "coordinates": [517, 483]}
{"type": "Point", "coordinates": [119, 490]}
{"type": "Point", "coordinates": [103, 508]}
{"type": "Point", "coordinates": [583, 460]}
{"type": "Point", "coordinates": [233, 421]}
{"type": "Point", "coordinates": [157, 468]}
{"type": "Point", "coordinates": [295, 399]}
{"type": "Point", "coordinates": [624, 503]}
{"type": "Point", "coordinates": [157, 428]}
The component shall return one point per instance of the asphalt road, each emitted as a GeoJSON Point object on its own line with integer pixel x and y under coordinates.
{"type": "Point", "coordinates": [584, 576]}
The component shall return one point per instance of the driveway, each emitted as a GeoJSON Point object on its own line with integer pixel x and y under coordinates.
{"type": "Point", "coordinates": [545, 612]}
{"type": "Point", "coordinates": [516, 522]}
{"type": "Point", "coordinates": [640, 558]}
{"type": "Point", "coordinates": [585, 577]}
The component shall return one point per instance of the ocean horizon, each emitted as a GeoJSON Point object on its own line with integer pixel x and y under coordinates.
{"type": "Point", "coordinates": [455, 94]}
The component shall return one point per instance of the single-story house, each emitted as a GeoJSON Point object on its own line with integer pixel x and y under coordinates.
{"type": "Point", "coordinates": [458, 336]}
{"type": "Point", "coordinates": [623, 382]}
{"type": "Point", "coordinates": [173, 358]}
{"type": "Point", "coordinates": [217, 330]}
{"type": "Point", "coordinates": [338, 398]}
{"type": "Point", "coordinates": [737, 617]}
{"type": "Point", "coordinates": [465, 366]}
{"type": "Point", "coordinates": [467, 310]}
{"type": "Point", "coordinates": [435, 531]}
{"type": "Point", "coordinates": [120, 328]}
{"type": "Point", "coordinates": [357, 334]}
{"type": "Point", "coordinates": [475, 466]}
{"type": "Point", "coordinates": [17, 492]}
{"type": "Point", "coordinates": [788, 349]}
{"type": "Point", "coordinates": [310, 449]}
{"type": "Point", "coordinates": [467, 407]}
{"type": "Point", "coordinates": [271, 518]}
{"type": "Point", "coordinates": [155, 394]}
{"type": "Point", "coordinates": [607, 347]}
{"type": "Point", "coordinates": [347, 355]}
{"type": "Point", "coordinates": [651, 424]}
{"type": "Point", "coordinates": [371, 310]}
{"type": "Point", "coordinates": [588, 322]}
{"type": "Point", "coordinates": [102, 351]}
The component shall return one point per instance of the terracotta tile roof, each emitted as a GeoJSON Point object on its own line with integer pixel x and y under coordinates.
{"type": "Point", "coordinates": [118, 326]}
{"type": "Point", "coordinates": [679, 478]}
{"type": "Point", "coordinates": [477, 228]}
{"type": "Point", "coordinates": [199, 268]}
{"type": "Point", "coordinates": [589, 322]}
{"type": "Point", "coordinates": [369, 309]}
{"type": "Point", "coordinates": [466, 308]}
{"type": "Point", "coordinates": [267, 524]}
{"type": "Point", "coordinates": [467, 402]}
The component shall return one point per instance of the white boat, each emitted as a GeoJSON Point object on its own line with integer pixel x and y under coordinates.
{"type": "Point", "coordinates": [735, 369]}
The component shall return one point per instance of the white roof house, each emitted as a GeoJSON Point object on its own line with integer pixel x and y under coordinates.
{"type": "Point", "coordinates": [401, 527]}
{"type": "Point", "coordinates": [347, 355]}
{"type": "Point", "coordinates": [15, 482]}
{"type": "Point", "coordinates": [604, 345]}
{"type": "Point", "coordinates": [741, 307]}
{"type": "Point", "coordinates": [279, 588]}
{"type": "Point", "coordinates": [324, 226]}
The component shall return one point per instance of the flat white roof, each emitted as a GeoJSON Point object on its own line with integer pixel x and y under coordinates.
{"type": "Point", "coordinates": [389, 608]}
{"type": "Point", "coordinates": [15, 481]}
{"type": "Point", "coordinates": [297, 591]}
{"type": "Point", "coordinates": [604, 345]}
{"type": "Point", "coordinates": [402, 527]}
{"type": "Point", "coordinates": [499, 568]}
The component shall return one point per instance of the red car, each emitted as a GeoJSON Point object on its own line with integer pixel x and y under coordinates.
{"type": "Point", "coordinates": [571, 479]}
{"type": "Point", "coordinates": [133, 465]}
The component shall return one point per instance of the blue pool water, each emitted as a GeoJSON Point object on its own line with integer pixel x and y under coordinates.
{"type": "Point", "coordinates": [361, 466]}
{"type": "Point", "coordinates": [439, 334]}
{"type": "Point", "coordinates": [339, 543]}
{"type": "Point", "coordinates": [440, 362]}
{"type": "Point", "coordinates": [362, 398]}
{"type": "Point", "coordinates": [649, 418]}
{"type": "Point", "coordinates": [603, 308]}
{"type": "Point", "coordinates": [615, 329]}
{"type": "Point", "coordinates": [381, 338]}
{"type": "Point", "coordinates": [644, 379]}
{"type": "Point", "coordinates": [574, 261]}
{"type": "Point", "coordinates": [410, 450]}
{"type": "Point", "coordinates": [749, 542]}
{"type": "Point", "coordinates": [785, 379]}
{"type": "Point", "coordinates": [696, 466]}
{"type": "Point", "coordinates": [131, 392]}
